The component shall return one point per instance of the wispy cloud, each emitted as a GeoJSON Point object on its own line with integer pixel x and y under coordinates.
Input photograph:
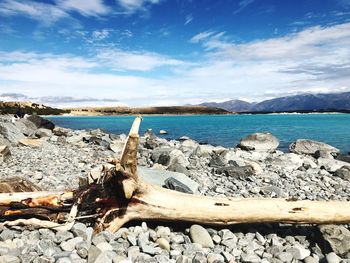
{"type": "Point", "coordinates": [45, 13]}
{"type": "Point", "coordinates": [48, 13]}
{"type": "Point", "coordinates": [122, 60]}
{"type": "Point", "coordinates": [312, 60]}
{"type": "Point", "coordinates": [188, 19]}
{"type": "Point", "coordinates": [242, 5]}
{"type": "Point", "coordinates": [201, 36]}
{"type": "Point", "coordinates": [85, 8]}
{"type": "Point", "coordinates": [132, 6]}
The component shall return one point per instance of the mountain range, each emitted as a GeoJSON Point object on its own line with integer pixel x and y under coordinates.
{"type": "Point", "coordinates": [300, 103]}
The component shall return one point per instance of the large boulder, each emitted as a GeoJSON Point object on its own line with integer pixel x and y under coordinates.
{"type": "Point", "coordinates": [41, 122]}
{"type": "Point", "coordinates": [177, 157]}
{"type": "Point", "coordinates": [343, 172]}
{"type": "Point", "coordinates": [260, 142]}
{"type": "Point", "coordinates": [188, 146]}
{"type": "Point", "coordinates": [10, 132]}
{"type": "Point", "coordinates": [25, 126]}
{"type": "Point", "coordinates": [160, 177]}
{"type": "Point", "coordinates": [236, 171]}
{"type": "Point", "coordinates": [338, 238]}
{"type": "Point", "coordinates": [161, 155]}
{"type": "Point", "coordinates": [288, 161]}
{"type": "Point", "coordinates": [41, 133]}
{"type": "Point", "coordinates": [310, 147]}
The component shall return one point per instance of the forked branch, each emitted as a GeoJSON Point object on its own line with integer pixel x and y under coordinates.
{"type": "Point", "coordinates": [121, 196]}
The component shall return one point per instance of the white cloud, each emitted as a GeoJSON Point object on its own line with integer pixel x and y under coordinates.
{"type": "Point", "coordinates": [201, 36]}
{"type": "Point", "coordinates": [242, 5]}
{"type": "Point", "coordinates": [100, 34]}
{"type": "Point", "coordinates": [188, 19]}
{"type": "Point", "coordinates": [313, 60]}
{"type": "Point", "coordinates": [85, 8]}
{"type": "Point", "coordinates": [45, 13]}
{"type": "Point", "coordinates": [135, 60]}
{"type": "Point", "coordinates": [132, 6]}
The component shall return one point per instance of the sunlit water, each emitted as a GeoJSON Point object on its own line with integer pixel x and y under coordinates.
{"type": "Point", "coordinates": [226, 130]}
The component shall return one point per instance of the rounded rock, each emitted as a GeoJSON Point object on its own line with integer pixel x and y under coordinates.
{"type": "Point", "coordinates": [201, 236]}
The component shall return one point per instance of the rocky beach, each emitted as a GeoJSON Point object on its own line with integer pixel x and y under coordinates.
{"type": "Point", "coordinates": [58, 158]}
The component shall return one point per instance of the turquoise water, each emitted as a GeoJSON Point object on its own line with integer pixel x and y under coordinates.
{"type": "Point", "coordinates": [226, 130]}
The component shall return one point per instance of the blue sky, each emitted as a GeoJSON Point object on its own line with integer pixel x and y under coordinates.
{"type": "Point", "coordinates": [171, 52]}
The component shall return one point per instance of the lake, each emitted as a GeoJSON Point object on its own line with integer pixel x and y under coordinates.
{"type": "Point", "coordinates": [226, 130]}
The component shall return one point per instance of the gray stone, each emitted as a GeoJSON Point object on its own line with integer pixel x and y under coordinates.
{"type": "Point", "coordinates": [133, 252]}
{"type": "Point", "coordinates": [176, 185]}
{"type": "Point", "coordinates": [151, 250]}
{"type": "Point", "coordinates": [323, 154]}
{"type": "Point", "coordinates": [338, 238]}
{"type": "Point", "coordinates": [63, 236]}
{"type": "Point", "coordinates": [158, 177]}
{"type": "Point", "coordinates": [79, 230]}
{"type": "Point", "coordinates": [260, 142]}
{"type": "Point", "coordinates": [94, 252]}
{"type": "Point", "coordinates": [343, 172]}
{"type": "Point", "coordinates": [215, 258]}
{"type": "Point", "coordinates": [10, 132]}
{"type": "Point", "coordinates": [82, 249]}
{"type": "Point", "coordinates": [43, 132]}
{"type": "Point", "coordinates": [9, 259]}
{"type": "Point", "coordinates": [105, 257]}
{"type": "Point", "coordinates": [44, 259]}
{"type": "Point", "coordinates": [199, 258]}
{"type": "Point", "coordinates": [310, 147]}
{"type": "Point", "coordinates": [178, 157]}
{"type": "Point", "coordinates": [99, 238]}
{"type": "Point", "coordinates": [7, 234]}
{"type": "Point", "coordinates": [201, 236]}
{"type": "Point", "coordinates": [184, 259]}
{"type": "Point", "coordinates": [46, 247]}
{"type": "Point", "coordinates": [132, 239]}
{"type": "Point", "coordinates": [70, 244]}
{"type": "Point", "coordinates": [227, 234]}
{"type": "Point", "coordinates": [285, 257]}
{"type": "Point", "coordinates": [310, 259]}
{"type": "Point", "coordinates": [250, 258]}
{"type": "Point", "coordinates": [236, 171]}
{"type": "Point", "coordinates": [299, 252]}
{"type": "Point", "coordinates": [332, 258]}
{"type": "Point", "coordinates": [161, 155]}
{"type": "Point", "coordinates": [104, 246]}
{"type": "Point", "coordinates": [63, 260]}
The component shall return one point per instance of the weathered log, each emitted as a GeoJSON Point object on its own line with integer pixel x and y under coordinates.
{"type": "Point", "coordinates": [120, 196]}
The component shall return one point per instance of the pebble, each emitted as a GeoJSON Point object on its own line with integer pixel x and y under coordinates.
{"type": "Point", "coordinates": [163, 243]}
{"type": "Point", "coordinates": [299, 252]}
{"type": "Point", "coordinates": [332, 258]}
{"type": "Point", "coordinates": [201, 236]}
{"type": "Point", "coordinates": [70, 244]}
{"type": "Point", "coordinates": [58, 165]}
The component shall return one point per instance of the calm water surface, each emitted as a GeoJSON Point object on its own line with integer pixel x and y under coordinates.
{"type": "Point", "coordinates": [226, 130]}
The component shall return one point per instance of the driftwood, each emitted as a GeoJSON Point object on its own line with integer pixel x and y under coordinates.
{"type": "Point", "coordinates": [120, 196]}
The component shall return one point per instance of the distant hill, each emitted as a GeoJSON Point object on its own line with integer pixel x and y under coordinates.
{"type": "Point", "coordinates": [300, 103]}
{"type": "Point", "coordinates": [171, 110]}
{"type": "Point", "coordinates": [12, 107]}
{"type": "Point", "coordinates": [231, 105]}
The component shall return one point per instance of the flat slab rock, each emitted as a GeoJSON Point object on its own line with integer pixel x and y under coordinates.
{"type": "Point", "coordinates": [158, 177]}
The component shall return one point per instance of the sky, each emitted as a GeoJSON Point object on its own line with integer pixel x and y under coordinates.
{"type": "Point", "coordinates": [66, 53]}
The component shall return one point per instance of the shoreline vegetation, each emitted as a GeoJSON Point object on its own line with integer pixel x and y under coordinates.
{"type": "Point", "coordinates": [40, 109]}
